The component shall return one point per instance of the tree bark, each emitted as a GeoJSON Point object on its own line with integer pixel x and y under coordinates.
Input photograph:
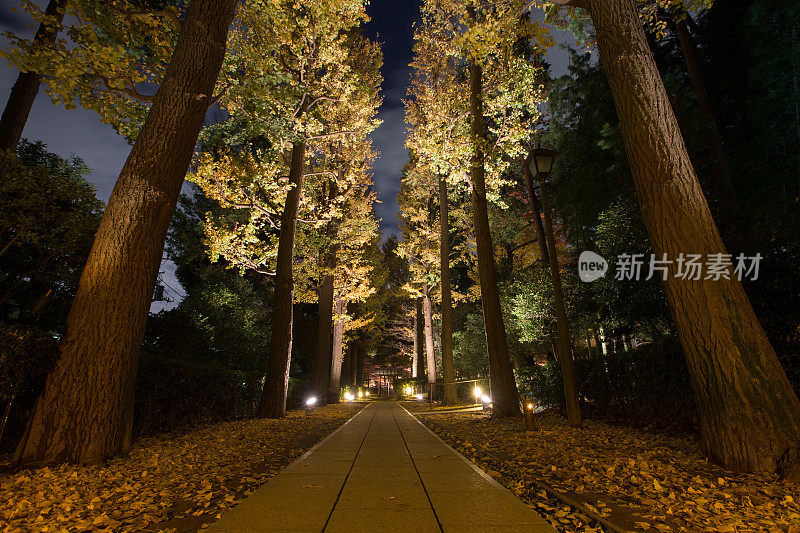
{"type": "Point", "coordinates": [345, 380]}
{"type": "Point", "coordinates": [321, 371]}
{"type": "Point", "coordinates": [25, 89]}
{"type": "Point", "coordinates": [336, 360]}
{"type": "Point", "coordinates": [505, 399]}
{"type": "Point", "coordinates": [430, 354]}
{"type": "Point", "coordinates": [6, 415]}
{"type": "Point", "coordinates": [359, 363]}
{"type": "Point", "coordinates": [721, 170]}
{"type": "Point", "coordinates": [84, 413]}
{"type": "Point", "coordinates": [536, 212]}
{"type": "Point", "coordinates": [448, 365]}
{"type": "Point", "coordinates": [419, 342]}
{"type": "Point", "coordinates": [564, 345]}
{"type": "Point", "coordinates": [415, 349]}
{"type": "Point", "coordinates": [353, 353]}
{"type": "Point", "coordinates": [273, 397]}
{"type": "Point", "coordinates": [749, 414]}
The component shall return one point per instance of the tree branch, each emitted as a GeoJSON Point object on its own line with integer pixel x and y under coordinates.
{"type": "Point", "coordinates": [236, 205]}
{"type": "Point", "coordinates": [130, 90]}
{"type": "Point", "coordinates": [160, 13]}
{"type": "Point", "coordinates": [315, 137]}
{"type": "Point", "coordinates": [583, 4]}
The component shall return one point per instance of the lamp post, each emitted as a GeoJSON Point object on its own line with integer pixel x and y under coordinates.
{"type": "Point", "coordinates": [540, 163]}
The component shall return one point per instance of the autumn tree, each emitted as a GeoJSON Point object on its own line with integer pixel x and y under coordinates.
{"type": "Point", "coordinates": [293, 86]}
{"type": "Point", "coordinates": [102, 60]}
{"type": "Point", "coordinates": [749, 414]}
{"type": "Point", "coordinates": [419, 236]}
{"type": "Point", "coordinates": [26, 87]}
{"type": "Point", "coordinates": [502, 91]}
{"type": "Point", "coordinates": [437, 117]}
{"type": "Point", "coordinates": [340, 227]}
{"type": "Point", "coordinates": [357, 231]}
{"type": "Point", "coordinates": [84, 413]}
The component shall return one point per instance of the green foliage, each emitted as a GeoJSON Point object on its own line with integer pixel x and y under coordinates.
{"type": "Point", "coordinates": [389, 334]}
{"type": "Point", "coordinates": [205, 359]}
{"type": "Point", "coordinates": [106, 49]}
{"type": "Point", "coordinates": [648, 385]}
{"type": "Point", "coordinates": [48, 218]}
{"type": "Point", "coordinates": [751, 60]}
{"type": "Point", "coordinates": [26, 356]}
{"type": "Point", "coordinates": [469, 347]}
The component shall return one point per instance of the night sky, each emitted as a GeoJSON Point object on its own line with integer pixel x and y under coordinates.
{"type": "Point", "coordinates": [81, 133]}
{"type": "Point", "coordinates": [391, 25]}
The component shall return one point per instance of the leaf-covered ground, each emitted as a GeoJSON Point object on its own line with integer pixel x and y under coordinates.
{"type": "Point", "coordinates": [167, 483]}
{"type": "Point", "coordinates": [639, 480]}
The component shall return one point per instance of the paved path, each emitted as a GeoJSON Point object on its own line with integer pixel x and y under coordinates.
{"type": "Point", "coordinates": [382, 471]}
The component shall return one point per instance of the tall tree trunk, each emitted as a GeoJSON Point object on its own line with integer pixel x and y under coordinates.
{"type": "Point", "coordinates": [84, 413]}
{"type": "Point", "coordinates": [537, 216]}
{"type": "Point", "coordinates": [6, 415]}
{"type": "Point", "coordinates": [448, 366]}
{"type": "Point", "coordinates": [505, 399]}
{"type": "Point", "coordinates": [336, 360]}
{"type": "Point", "coordinates": [359, 363]}
{"type": "Point", "coordinates": [419, 343]}
{"type": "Point", "coordinates": [430, 354]}
{"type": "Point", "coordinates": [321, 371]}
{"type": "Point", "coordinates": [598, 345]}
{"type": "Point", "coordinates": [721, 170]}
{"type": "Point", "coordinates": [353, 352]}
{"type": "Point", "coordinates": [414, 353]}
{"type": "Point", "coordinates": [749, 414]}
{"type": "Point", "coordinates": [273, 397]}
{"type": "Point", "coordinates": [25, 89]}
{"type": "Point", "coordinates": [564, 344]}
{"type": "Point", "coordinates": [346, 354]}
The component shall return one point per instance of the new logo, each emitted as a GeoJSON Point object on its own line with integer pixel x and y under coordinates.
{"type": "Point", "coordinates": [591, 266]}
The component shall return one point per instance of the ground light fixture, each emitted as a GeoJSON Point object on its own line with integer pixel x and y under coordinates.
{"type": "Point", "coordinates": [420, 397]}
{"type": "Point", "coordinates": [486, 401]}
{"type": "Point", "coordinates": [366, 394]}
{"type": "Point", "coordinates": [310, 403]}
{"type": "Point", "coordinates": [530, 425]}
{"type": "Point", "coordinates": [360, 394]}
{"type": "Point", "coordinates": [349, 396]}
{"type": "Point", "coordinates": [478, 393]}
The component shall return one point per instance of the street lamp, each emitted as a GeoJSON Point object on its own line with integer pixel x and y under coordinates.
{"type": "Point", "coordinates": [541, 161]}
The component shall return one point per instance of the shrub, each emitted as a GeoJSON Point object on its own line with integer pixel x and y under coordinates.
{"type": "Point", "coordinates": [648, 385]}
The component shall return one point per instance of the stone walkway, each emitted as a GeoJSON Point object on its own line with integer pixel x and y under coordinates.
{"type": "Point", "coordinates": [382, 471]}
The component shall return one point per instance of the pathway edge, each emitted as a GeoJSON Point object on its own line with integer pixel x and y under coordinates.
{"type": "Point", "coordinates": [320, 443]}
{"type": "Point", "coordinates": [475, 467]}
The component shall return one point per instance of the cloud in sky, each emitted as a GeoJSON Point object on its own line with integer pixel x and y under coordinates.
{"type": "Point", "coordinates": [389, 139]}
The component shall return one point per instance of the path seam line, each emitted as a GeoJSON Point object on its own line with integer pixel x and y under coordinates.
{"type": "Point", "coordinates": [472, 465]}
{"type": "Point", "coordinates": [341, 489]}
{"type": "Point", "coordinates": [413, 462]}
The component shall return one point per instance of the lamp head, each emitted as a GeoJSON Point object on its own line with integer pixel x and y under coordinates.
{"type": "Point", "coordinates": [541, 162]}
